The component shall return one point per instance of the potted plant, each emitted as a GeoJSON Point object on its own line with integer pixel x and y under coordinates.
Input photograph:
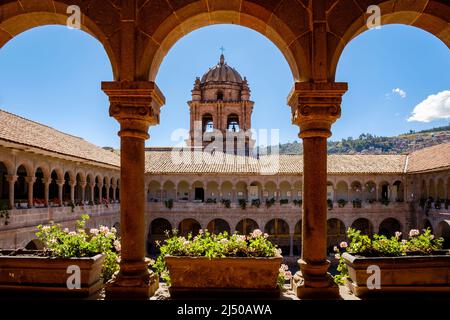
{"type": "Point", "coordinates": [223, 263]}
{"type": "Point", "coordinates": [416, 264]}
{"type": "Point", "coordinates": [342, 203]}
{"type": "Point", "coordinates": [226, 203]}
{"type": "Point", "coordinates": [385, 202]}
{"type": "Point", "coordinates": [4, 213]}
{"type": "Point", "coordinates": [243, 204]}
{"type": "Point", "coordinates": [298, 202]}
{"type": "Point", "coordinates": [356, 203]}
{"type": "Point", "coordinates": [95, 252]}
{"type": "Point", "coordinates": [270, 202]}
{"type": "Point", "coordinates": [211, 200]}
{"type": "Point", "coordinates": [256, 203]}
{"type": "Point", "coordinates": [284, 201]}
{"type": "Point", "coordinates": [330, 204]}
{"type": "Point", "coordinates": [168, 204]}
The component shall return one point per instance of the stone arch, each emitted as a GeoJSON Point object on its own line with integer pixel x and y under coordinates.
{"type": "Point", "coordinates": [246, 226]}
{"type": "Point", "coordinates": [427, 224]}
{"type": "Point", "coordinates": [154, 191]}
{"type": "Point", "coordinates": [39, 185]}
{"type": "Point", "coordinates": [29, 14]}
{"type": "Point", "coordinates": [183, 190]}
{"type": "Point", "coordinates": [270, 189]}
{"type": "Point", "coordinates": [157, 232]}
{"type": "Point", "coordinates": [285, 190]}
{"type": "Point", "coordinates": [370, 191]}
{"type": "Point", "coordinates": [169, 190]}
{"type": "Point", "coordinates": [431, 16]}
{"type": "Point", "coordinates": [4, 186]}
{"type": "Point", "coordinates": [336, 233]}
{"type": "Point", "coordinates": [286, 30]}
{"type": "Point", "coordinates": [440, 190]}
{"type": "Point", "coordinates": [189, 225]}
{"type": "Point", "coordinates": [342, 191]}
{"type": "Point", "coordinates": [364, 225]}
{"type": "Point", "coordinates": [398, 189]}
{"type": "Point", "coordinates": [212, 191]}
{"type": "Point", "coordinates": [443, 230]}
{"type": "Point", "coordinates": [389, 226]}
{"type": "Point", "coordinates": [432, 189]}
{"type": "Point", "coordinates": [217, 226]}
{"type": "Point", "coordinates": [384, 190]}
{"type": "Point", "coordinates": [278, 231]}
{"type": "Point", "coordinates": [356, 192]}
{"type": "Point", "coordinates": [21, 185]}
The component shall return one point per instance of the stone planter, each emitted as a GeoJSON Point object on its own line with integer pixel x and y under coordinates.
{"type": "Point", "coordinates": [406, 274]}
{"type": "Point", "coordinates": [200, 276]}
{"type": "Point", "coordinates": [29, 273]}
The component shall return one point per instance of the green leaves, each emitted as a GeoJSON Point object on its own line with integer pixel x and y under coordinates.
{"type": "Point", "coordinates": [62, 243]}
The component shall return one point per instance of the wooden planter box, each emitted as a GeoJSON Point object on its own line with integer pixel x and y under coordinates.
{"type": "Point", "coordinates": [201, 276]}
{"type": "Point", "coordinates": [32, 274]}
{"type": "Point", "coordinates": [406, 274]}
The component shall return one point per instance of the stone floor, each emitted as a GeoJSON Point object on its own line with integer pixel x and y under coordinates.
{"type": "Point", "coordinates": [287, 294]}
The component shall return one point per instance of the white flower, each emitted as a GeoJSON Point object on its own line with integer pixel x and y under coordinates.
{"type": "Point", "coordinates": [94, 231]}
{"type": "Point", "coordinates": [343, 245]}
{"type": "Point", "coordinates": [337, 256]}
{"type": "Point", "coordinates": [288, 275]}
{"type": "Point", "coordinates": [200, 232]}
{"type": "Point", "coordinates": [45, 228]}
{"type": "Point", "coordinates": [431, 237]}
{"type": "Point", "coordinates": [113, 230]}
{"type": "Point", "coordinates": [224, 241]}
{"type": "Point", "coordinates": [398, 234]}
{"type": "Point", "coordinates": [72, 233]}
{"type": "Point", "coordinates": [241, 238]}
{"type": "Point", "coordinates": [104, 229]}
{"type": "Point", "coordinates": [413, 233]}
{"type": "Point", "coordinates": [66, 230]}
{"type": "Point", "coordinates": [117, 245]}
{"type": "Point", "coordinates": [283, 268]}
{"type": "Point", "coordinates": [256, 233]}
{"type": "Point", "coordinates": [278, 252]}
{"type": "Point", "coordinates": [335, 249]}
{"type": "Point", "coordinates": [404, 242]}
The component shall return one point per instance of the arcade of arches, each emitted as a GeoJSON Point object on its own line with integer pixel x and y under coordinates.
{"type": "Point", "coordinates": [137, 35]}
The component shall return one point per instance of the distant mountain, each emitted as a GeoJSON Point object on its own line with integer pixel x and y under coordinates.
{"type": "Point", "coordinates": [371, 144]}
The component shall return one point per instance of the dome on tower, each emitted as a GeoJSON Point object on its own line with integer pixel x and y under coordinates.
{"type": "Point", "coordinates": [222, 73]}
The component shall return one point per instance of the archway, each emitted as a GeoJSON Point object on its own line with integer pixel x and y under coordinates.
{"type": "Point", "coordinates": [158, 230]}
{"type": "Point", "coordinates": [217, 226]}
{"type": "Point", "coordinates": [21, 186]}
{"type": "Point", "coordinates": [4, 187]}
{"type": "Point", "coordinates": [389, 226]}
{"type": "Point", "coordinates": [39, 188]}
{"type": "Point", "coordinates": [278, 231]}
{"type": "Point", "coordinates": [189, 226]}
{"type": "Point", "coordinates": [363, 225]}
{"type": "Point", "coordinates": [335, 233]}
{"type": "Point", "coordinates": [297, 239]}
{"type": "Point", "coordinates": [443, 230]}
{"type": "Point", "coordinates": [246, 226]}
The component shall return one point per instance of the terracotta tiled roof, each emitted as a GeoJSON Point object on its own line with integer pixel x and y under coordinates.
{"type": "Point", "coordinates": [22, 131]}
{"type": "Point", "coordinates": [432, 158]}
{"type": "Point", "coordinates": [163, 161]}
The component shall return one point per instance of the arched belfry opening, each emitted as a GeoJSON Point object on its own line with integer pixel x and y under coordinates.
{"type": "Point", "coordinates": [221, 94]}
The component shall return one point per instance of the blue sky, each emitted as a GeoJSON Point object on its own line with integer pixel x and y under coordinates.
{"type": "Point", "coordinates": [52, 75]}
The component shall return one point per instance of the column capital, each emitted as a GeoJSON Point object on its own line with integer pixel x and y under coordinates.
{"type": "Point", "coordinates": [316, 106]}
{"type": "Point", "coordinates": [82, 184]}
{"type": "Point", "coordinates": [60, 182]}
{"type": "Point", "coordinates": [11, 177]}
{"type": "Point", "coordinates": [72, 183]}
{"type": "Point", "coordinates": [135, 104]}
{"type": "Point", "coordinates": [30, 179]}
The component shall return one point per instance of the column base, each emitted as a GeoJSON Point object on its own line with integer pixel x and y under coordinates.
{"type": "Point", "coordinates": [329, 291]}
{"type": "Point", "coordinates": [132, 288]}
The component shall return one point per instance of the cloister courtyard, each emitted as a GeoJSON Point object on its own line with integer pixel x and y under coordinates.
{"type": "Point", "coordinates": [304, 204]}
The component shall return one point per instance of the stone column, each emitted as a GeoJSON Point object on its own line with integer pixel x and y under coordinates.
{"type": "Point", "coordinates": [11, 180]}
{"type": "Point", "coordinates": [114, 191]}
{"type": "Point", "coordinates": [315, 107]}
{"type": "Point", "coordinates": [107, 185]}
{"type": "Point", "coordinates": [72, 190]}
{"type": "Point", "coordinates": [47, 182]}
{"type": "Point", "coordinates": [91, 187]}
{"type": "Point", "coordinates": [30, 181]}
{"type": "Point", "coordinates": [135, 105]}
{"type": "Point", "coordinates": [100, 191]}
{"type": "Point", "coordinates": [60, 190]}
{"type": "Point", "coordinates": [83, 191]}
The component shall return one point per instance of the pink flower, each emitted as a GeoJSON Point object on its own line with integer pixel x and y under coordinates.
{"type": "Point", "coordinates": [343, 244]}
{"type": "Point", "coordinates": [94, 231]}
{"type": "Point", "coordinates": [413, 233]}
{"type": "Point", "coordinates": [256, 233]}
{"type": "Point", "coordinates": [117, 245]}
{"type": "Point", "coordinates": [288, 275]}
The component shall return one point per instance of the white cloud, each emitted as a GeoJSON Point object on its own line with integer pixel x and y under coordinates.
{"type": "Point", "coordinates": [435, 107]}
{"type": "Point", "coordinates": [400, 92]}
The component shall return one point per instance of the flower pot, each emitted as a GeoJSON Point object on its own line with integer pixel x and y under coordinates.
{"type": "Point", "coordinates": [202, 276]}
{"type": "Point", "coordinates": [405, 274]}
{"type": "Point", "coordinates": [30, 272]}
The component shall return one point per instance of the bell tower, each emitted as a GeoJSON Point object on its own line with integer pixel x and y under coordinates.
{"type": "Point", "coordinates": [220, 112]}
